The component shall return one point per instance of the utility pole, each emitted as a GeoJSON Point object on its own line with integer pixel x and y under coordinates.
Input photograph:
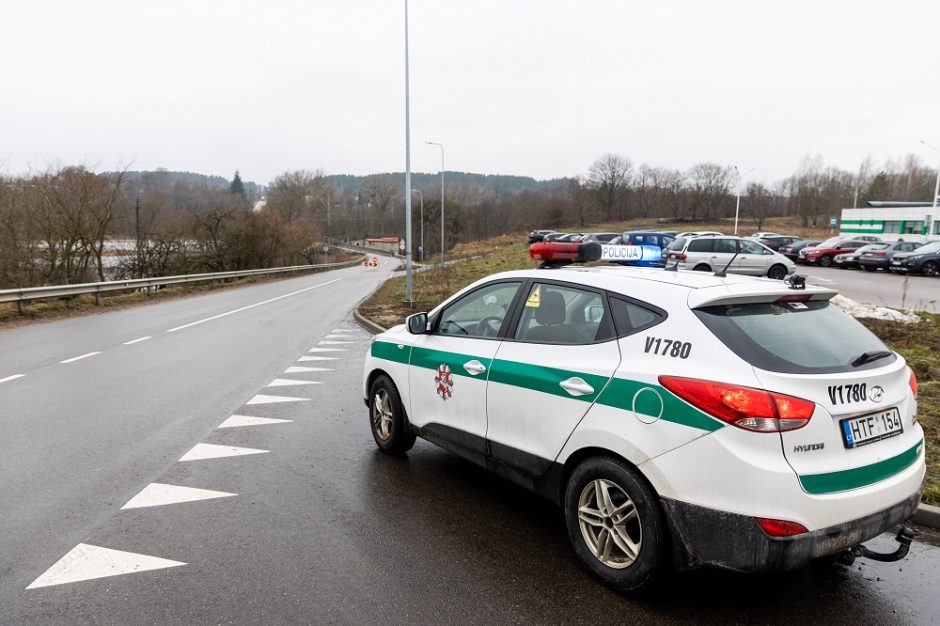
{"type": "Point", "coordinates": [434, 143]}
{"type": "Point", "coordinates": [409, 282]}
{"type": "Point", "coordinates": [140, 273]}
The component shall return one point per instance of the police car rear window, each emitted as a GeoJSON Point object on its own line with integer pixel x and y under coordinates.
{"type": "Point", "coordinates": [794, 337]}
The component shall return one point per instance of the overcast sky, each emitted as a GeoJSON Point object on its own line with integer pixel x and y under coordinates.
{"type": "Point", "coordinates": [538, 88]}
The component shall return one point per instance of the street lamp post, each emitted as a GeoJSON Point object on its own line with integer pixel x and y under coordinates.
{"type": "Point", "coordinates": [737, 204]}
{"type": "Point", "coordinates": [421, 246]}
{"type": "Point", "coordinates": [434, 143]}
{"type": "Point", "coordinates": [936, 188]}
{"type": "Point", "coordinates": [409, 283]}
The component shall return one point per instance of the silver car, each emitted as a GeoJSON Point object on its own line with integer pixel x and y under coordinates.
{"type": "Point", "coordinates": [713, 253]}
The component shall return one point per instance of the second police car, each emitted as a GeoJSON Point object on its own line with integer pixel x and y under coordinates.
{"type": "Point", "coordinates": [681, 419]}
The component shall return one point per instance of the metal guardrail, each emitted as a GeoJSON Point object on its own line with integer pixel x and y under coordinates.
{"type": "Point", "coordinates": [19, 296]}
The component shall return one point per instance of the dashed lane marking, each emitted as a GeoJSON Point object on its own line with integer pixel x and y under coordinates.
{"type": "Point", "coordinates": [79, 357]}
{"type": "Point", "coordinates": [237, 421]}
{"type": "Point", "coordinates": [289, 382]}
{"type": "Point", "coordinates": [13, 377]}
{"type": "Point", "coordinates": [138, 340]}
{"type": "Point", "coordinates": [263, 399]}
{"type": "Point", "coordinates": [333, 343]}
{"type": "Point", "coordinates": [211, 451]}
{"type": "Point", "coordinates": [340, 337]}
{"type": "Point", "coordinates": [305, 359]}
{"type": "Point", "coordinates": [344, 330]}
{"type": "Point", "coordinates": [299, 369]}
{"type": "Point", "coordinates": [251, 306]}
{"type": "Point", "coordinates": [86, 562]}
{"type": "Point", "coordinates": [327, 350]}
{"type": "Point", "coordinates": [160, 494]}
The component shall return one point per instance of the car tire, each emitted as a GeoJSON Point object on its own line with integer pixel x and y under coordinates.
{"type": "Point", "coordinates": [387, 420]}
{"type": "Point", "coordinates": [634, 552]}
{"type": "Point", "coordinates": [869, 268]}
{"type": "Point", "coordinates": [777, 272]}
{"type": "Point", "coordinates": [825, 260]}
{"type": "Point", "coordinates": [930, 268]}
{"type": "Point", "coordinates": [701, 267]}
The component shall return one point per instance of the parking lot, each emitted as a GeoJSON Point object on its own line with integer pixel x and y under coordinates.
{"type": "Point", "coordinates": [920, 293]}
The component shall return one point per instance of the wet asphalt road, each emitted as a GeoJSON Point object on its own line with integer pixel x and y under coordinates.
{"type": "Point", "coordinates": [324, 528]}
{"type": "Point", "coordinates": [920, 293]}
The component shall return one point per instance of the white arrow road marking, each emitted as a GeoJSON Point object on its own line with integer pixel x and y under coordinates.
{"type": "Point", "coordinates": [304, 359]}
{"type": "Point", "coordinates": [202, 451]}
{"type": "Point", "coordinates": [159, 494]}
{"type": "Point", "coordinates": [333, 343]}
{"type": "Point", "coordinates": [80, 357]}
{"type": "Point", "coordinates": [251, 306]}
{"type": "Point", "coordinates": [133, 341]}
{"type": "Point", "coordinates": [15, 376]}
{"type": "Point", "coordinates": [289, 382]}
{"type": "Point", "coordinates": [327, 350]}
{"type": "Point", "coordinates": [299, 369]}
{"type": "Point", "coordinates": [237, 421]}
{"type": "Point", "coordinates": [263, 399]}
{"type": "Point", "coordinates": [86, 562]}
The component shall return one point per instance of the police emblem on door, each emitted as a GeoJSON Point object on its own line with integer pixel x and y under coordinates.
{"type": "Point", "coordinates": [444, 381]}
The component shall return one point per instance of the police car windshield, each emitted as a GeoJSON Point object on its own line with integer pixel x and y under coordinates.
{"type": "Point", "coordinates": [794, 337]}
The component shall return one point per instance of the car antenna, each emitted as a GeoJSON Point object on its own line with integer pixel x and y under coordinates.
{"type": "Point", "coordinates": [724, 271]}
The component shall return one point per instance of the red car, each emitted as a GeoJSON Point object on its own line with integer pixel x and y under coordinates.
{"type": "Point", "coordinates": [827, 250]}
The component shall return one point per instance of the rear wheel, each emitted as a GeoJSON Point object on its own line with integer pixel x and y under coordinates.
{"type": "Point", "coordinates": [869, 268]}
{"type": "Point", "coordinates": [777, 272]}
{"type": "Point", "coordinates": [390, 428]}
{"type": "Point", "coordinates": [615, 525]}
{"type": "Point", "coordinates": [701, 267]}
{"type": "Point", "coordinates": [825, 260]}
{"type": "Point", "coordinates": [930, 268]}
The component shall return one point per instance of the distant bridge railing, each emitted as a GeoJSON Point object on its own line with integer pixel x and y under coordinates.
{"type": "Point", "coordinates": [21, 296]}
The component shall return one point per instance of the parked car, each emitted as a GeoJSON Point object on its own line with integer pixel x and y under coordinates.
{"type": "Point", "coordinates": [571, 238]}
{"type": "Point", "coordinates": [555, 236]}
{"type": "Point", "coordinates": [792, 251]}
{"type": "Point", "coordinates": [867, 238]}
{"type": "Point", "coordinates": [695, 421]}
{"type": "Point", "coordinates": [599, 237]}
{"type": "Point", "coordinates": [824, 253]}
{"type": "Point", "coordinates": [698, 233]}
{"type": "Point", "coordinates": [881, 259]}
{"type": "Point", "coordinates": [644, 238]}
{"type": "Point", "coordinates": [849, 260]}
{"type": "Point", "coordinates": [539, 235]}
{"type": "Point", "coordinates": [775, 242]}
{"type": "Point", "coordinates": [763, 235]}
{"type": "Point", "coordinates": [711, 253]}
{"type": "Point", "coordinates": [924, 260]}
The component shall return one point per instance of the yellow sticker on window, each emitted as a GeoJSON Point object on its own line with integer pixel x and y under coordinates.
{"type": "Point", "coordinates": [535, 298]}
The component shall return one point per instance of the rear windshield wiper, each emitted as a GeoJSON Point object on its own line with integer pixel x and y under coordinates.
{"type": "Point", "coordinates": [868, 357]}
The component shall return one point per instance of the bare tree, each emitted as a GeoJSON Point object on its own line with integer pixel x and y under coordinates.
{"type": "Point", "coordinates": [609, 177]}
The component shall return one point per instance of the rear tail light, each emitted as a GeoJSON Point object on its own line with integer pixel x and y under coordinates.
{"type": "Point", "coordinates": [912, 382]}
{"type": "Point", "coordinates": [879, 253]}
{"type": "Point", "coordinates": [751, 409]}
{"type": "Point", "coordinates": [779, 527]}
{"type": "Point", "coordinates": [681, 256]}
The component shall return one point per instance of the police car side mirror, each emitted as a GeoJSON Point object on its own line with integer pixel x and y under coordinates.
{"type": "Point", "coordinates": [417, 324]}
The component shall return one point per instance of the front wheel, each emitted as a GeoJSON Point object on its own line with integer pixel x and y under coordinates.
{"type": "Point", "coordinates": [869, 268]}
{"type": "Point", "coordinates": [777, 272]}
{"type": "Point", "coordinates": [390, 428]}
{"type": "Point", "coordinates": [825, 261]}
{"type": "Point", "coordinates": [615, 525]}
{"type": "Point", "coordinates": [930, 269]}
{"type": "Point", "coordinates": [701, 267]}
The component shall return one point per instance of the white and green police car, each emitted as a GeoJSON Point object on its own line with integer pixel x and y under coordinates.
{"type": "Point", "coordinates": [680, 419]}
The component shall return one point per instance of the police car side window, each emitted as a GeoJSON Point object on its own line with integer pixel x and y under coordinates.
{"type": "Point", "coordinates": [630, 317]}
{"type": "Point", "coordinates": [479, 314]}
{"type": "Point", "coordinates": [558, 314]}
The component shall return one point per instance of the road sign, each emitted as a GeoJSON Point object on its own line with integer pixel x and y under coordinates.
{"type": "Point", "coordinates": [401, 246]}
{"type": "Point", "coordinates": [832, 222]}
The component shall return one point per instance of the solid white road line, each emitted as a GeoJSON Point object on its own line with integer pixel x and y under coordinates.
{"type": "Point", "coordinates": [251, 306]}
{"type": "Point", "coordinates": [86, 562]}
{"type": "Point", "coordinates": [237, 421]}
{"type": "Point", "coordinates": [15, 376]}
{"type": "Point", "coordinates": [305, 359]}
{"type": "Point", "coordinates": [138, 340]}
{"type": "Point", "coordinates": [299, 369]}
{"type": "Point", "coordinates": [202, 451]}
{"type": "Point", "coordinates": [159, 494]}
{"type": "Point", "coordinates": [263, 399]}
{"type": "Point", "coordinates": [328, 350]}
{"type": "Point", "coordinates": [80, 357]}
{"type": "Point", "coordinates": [288, 382]}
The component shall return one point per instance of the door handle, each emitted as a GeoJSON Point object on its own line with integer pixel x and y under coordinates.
{"type": "Point", "coordinates": [474, 367]}
{"type": "Point", "coordinates": [576, 386]}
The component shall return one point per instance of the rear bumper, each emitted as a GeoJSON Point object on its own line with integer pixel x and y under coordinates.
{"type": "Point", "coordinates": [703, 536]}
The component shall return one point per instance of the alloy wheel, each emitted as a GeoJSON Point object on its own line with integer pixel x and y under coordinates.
{"type": "Point", "coordinates": [610, 524]}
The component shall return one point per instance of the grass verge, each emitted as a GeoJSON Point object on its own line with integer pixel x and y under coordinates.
{"type": "Point", "coordinates": [918, 343]}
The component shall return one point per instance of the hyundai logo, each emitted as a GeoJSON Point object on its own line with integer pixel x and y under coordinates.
{"type": "Point", "coordinates": [876, 393]}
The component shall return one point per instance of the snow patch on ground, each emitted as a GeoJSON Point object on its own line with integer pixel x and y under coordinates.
{"type": "Point", "coordinates": [857, 309]}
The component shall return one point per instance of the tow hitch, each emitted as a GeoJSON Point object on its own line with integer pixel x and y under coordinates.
{"type": "Point", "coordinates": [905, 538]}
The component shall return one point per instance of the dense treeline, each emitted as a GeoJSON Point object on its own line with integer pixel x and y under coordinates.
{"type": "Point", "coordinates": [60, 226]}
{"type": "Point", "coordinates": [72, 225]}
